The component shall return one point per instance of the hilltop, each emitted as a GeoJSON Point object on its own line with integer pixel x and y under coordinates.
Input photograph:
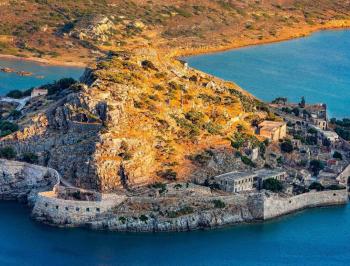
{"type": "Point", "coordinates": [133, 120]}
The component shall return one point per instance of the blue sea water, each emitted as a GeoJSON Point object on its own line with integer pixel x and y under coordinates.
{"type": "Point", "coordinates": [42, 74]}
{"type": "Point", "coordinates": [312, 237]}
{"type": "Point", "coordinates": [317, 67]}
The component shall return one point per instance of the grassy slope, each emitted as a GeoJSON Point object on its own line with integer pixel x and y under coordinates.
{"type": "Point", "coordinates": [30, 27]}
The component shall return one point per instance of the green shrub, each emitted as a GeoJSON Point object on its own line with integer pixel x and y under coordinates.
{"type": "Point", "coordinates": [183, 211]}
{"type": "Point", "coordinates": [273, 185]}
{"type": "Point", "coordinates": [15, 114]}
{"type": "Point", "coordinates": [59, 85]}
{"type": "Point", "coordinates": [213, 128]}
{"type": "Point", "coordinates": [247, 161]}
{"type": "Point", "coordinates": [16, 94]}
{"type": "Point", "coordinates": [167, 174]}
{"type": "Point", "coordinates": [201, 158]}
{"type": "Point", "coordinates": [7, 153]}
{"type": "Point", "coordinates": [195, 117]}
{"type": "Point", "coordinates": [160, 186]}
{"type": "Point", "coordinates": [317, 186]}
{"type": "Point", "coordinates": [337, 155]}
{"type": "Point", "coordinates": [143, 218]}
{"type": "Point", "coordinates": [335, 187]}
{"type": "Point", "coordinates": [30, 157]}
{"type": "Point", "coordinates": [316, 166]}
{"type": "Point", "coordinates": [122, 219]}
{"type": "Point", "coordinates": [287, 146]}
{"type": "Point", "coordinates": [219, 204]}
{"type": "Point", "coordinates": [6, 128]}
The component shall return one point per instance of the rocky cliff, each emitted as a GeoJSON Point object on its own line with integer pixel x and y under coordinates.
{"type": "Point", "coordinates": [18, 180]}
{"type": "Point", "coordinates": [135, 118]}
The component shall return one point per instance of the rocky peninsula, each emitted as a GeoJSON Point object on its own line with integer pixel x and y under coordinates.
{"type": "Point", "coordinates": [144, 143]}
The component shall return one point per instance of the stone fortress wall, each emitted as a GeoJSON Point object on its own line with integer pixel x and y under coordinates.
{"type": "Point", "coordinates": [49, 208]}
{"type": "Point", "coordinates": [63, 207]}
{"type": "Point", "coordinates": [275, 206]}
{"type": "Point", "coordinates": [344, 175]}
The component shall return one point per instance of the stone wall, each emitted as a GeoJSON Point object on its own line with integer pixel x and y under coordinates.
{"type": "Point", "coordinates": [50, 209]}
{"type": "Point", "coordinates": [18, 180]}
{"type": "Point", "coordinates": [344, 175]}
{"type": "Point", "coordinates": [275, 206]}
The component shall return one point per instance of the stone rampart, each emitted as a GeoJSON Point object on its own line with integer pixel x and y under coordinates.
{"type": "Point", "coordinates": [50, 209]}
{"type": "Point", "coordinates": [275, 206]}
{"type": "Point", "coordinates": [344, 175]}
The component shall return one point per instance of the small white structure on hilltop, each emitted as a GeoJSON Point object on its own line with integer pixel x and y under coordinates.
{"type": "Point", "coordinates": [38, 92]}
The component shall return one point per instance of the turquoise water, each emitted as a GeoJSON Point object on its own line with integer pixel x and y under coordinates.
{"type": "Point", "coordinates": [12, 81]}
{"type": "Point", "coordinates": [312, 237]}
{"type": "Point", "coordinates": [317, 67]}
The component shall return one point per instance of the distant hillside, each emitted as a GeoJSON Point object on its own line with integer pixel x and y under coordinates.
{"type": "Point", "coordinates": [48, 28]}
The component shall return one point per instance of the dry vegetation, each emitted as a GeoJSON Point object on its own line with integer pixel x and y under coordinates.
{"type": "Point", "coordinates": [156, 116]}
{"type": "Point", "coordinates": [40, 27]}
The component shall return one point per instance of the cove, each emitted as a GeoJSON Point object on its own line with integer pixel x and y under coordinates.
{"type": "Point", "coordinates": [317, 67]}
{"type": "Point", "coordinates": [312, 237]}
{"type": "Point", "coordinates": [42, 74]}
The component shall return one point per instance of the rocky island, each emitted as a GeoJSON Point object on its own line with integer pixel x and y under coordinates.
{"type": "Point", "coordinates": [144, 143]}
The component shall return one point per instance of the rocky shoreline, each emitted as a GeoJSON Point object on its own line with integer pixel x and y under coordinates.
{"type": "Point", "coordinates": [27, 182]}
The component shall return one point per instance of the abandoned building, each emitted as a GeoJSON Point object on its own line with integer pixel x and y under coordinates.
{"type": "Point", "coordinates": [272, 130]}
{"type": "Point", "coordinates": [38, 92]}
{"type": "Point", "coordinates": [245, 181]}
{"type": "Point", "coordinates": [235, 181]}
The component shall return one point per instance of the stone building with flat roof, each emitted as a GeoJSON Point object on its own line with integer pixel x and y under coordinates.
{"type": "Point", "coordinates": [273, 130]}
{"type": "Point", "coordinates": [235, 181]}
{"type": "Point", "coordinates": [245, 181]}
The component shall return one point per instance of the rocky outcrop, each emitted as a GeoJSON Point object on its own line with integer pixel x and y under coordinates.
{"type": "Point", "coordinates": [135, 119]}
{"type": "Point", "coordinates": [19, 180]}
{"type": "Point", "coordinates": [96, 28]}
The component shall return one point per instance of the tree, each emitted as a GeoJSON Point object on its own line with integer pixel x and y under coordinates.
{"type": "Point", "coordinates": [16, 94]}
{"type": "Point", "coordinates": [280, 100]}
{"type": "Point", "coordinates": [30, 157]}
{"type": "Point", "coordinates": [7, 153]}
{"type": "Point", "coordinates": [326, 143]}
{"type": "Point", "coordinates": [337, 155]}
{"type": "Point", "coordinates": [273, 185]}
{"type": "Point", "coordinates": [316, 166]}
{"type": "Point", "coordinates": [302, 102]}
{"type": "Point", "coordinates": [317, 186]}
{"type": "Point", "coordinates": [296, 111]}
{"type": "Point", "coordinates": [287, 146]}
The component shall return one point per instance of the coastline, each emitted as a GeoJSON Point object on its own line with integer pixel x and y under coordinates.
{"type": "Point", "coordinates": [287, 34]}
{"type": "Point", "coordinates": [43, 61]}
